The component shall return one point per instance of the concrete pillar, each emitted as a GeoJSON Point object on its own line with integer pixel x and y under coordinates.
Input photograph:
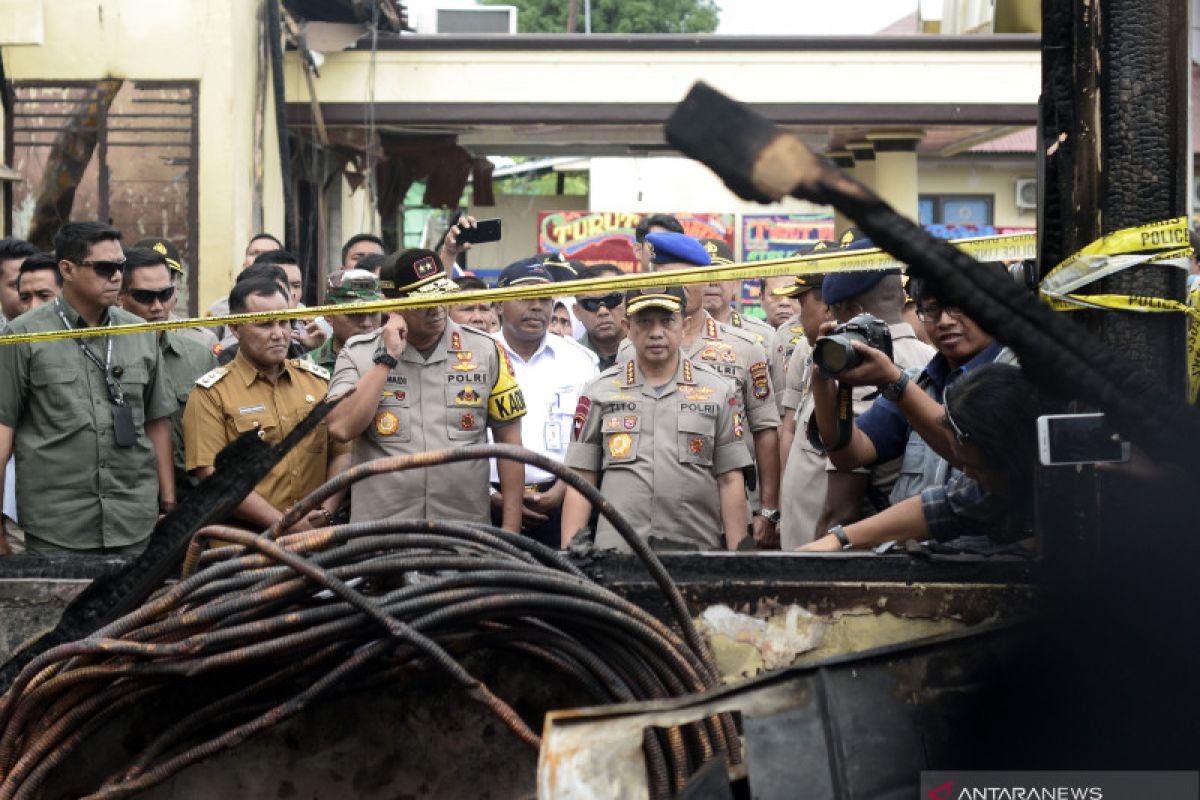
{"type": "Point", "coordinates": [845, 161]}
{"type": "Point", "coordinates": [864, 162]}
{"type": "Point", "coordinates": [896, 168]}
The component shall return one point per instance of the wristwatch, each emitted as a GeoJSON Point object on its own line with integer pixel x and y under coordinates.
{"type": "Point", "coordinates": [771, 515]}
{"type": "Point", "coordinates": [839, 533]}
{"type": "Point", "coordinates": [388, 360]}
{"type": "Point", "coordinates": [894, 391]}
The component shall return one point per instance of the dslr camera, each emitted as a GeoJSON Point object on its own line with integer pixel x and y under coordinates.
{"type": "Point", "coordinates": [835, 354]}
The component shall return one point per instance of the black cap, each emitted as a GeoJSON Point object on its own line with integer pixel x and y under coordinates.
{"type": "Point", "coordinates": [802, 284]}
{"type": "Point", "coordinates": [560, 268]}
{"type": "Point", "coordinates": [414, 271]}
{"type": "Point", "coordinates": [523, 272]}
{"type": "Point", "coordinates": [671, 298]}
{"type": "Point", "coordinates": [165, 248]}
{"type": "Point", "coordinates": [718, 251]}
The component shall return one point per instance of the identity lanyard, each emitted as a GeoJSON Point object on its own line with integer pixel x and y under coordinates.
{"type": "Point", "coordinates": [115, 394]}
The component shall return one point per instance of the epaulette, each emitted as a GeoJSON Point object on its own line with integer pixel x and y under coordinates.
{"type": "Point", "coordinates": [210, 378]}
{"type": "Point", "coordinates": [738, 333]}
{"type": "Point", "coordinates": [359, 338]}
{"type": "Point", "coordinates": [613, 370]}
{"type": "Point", "coordinates": [314, 368]}
{"type": "Point", "coordinates": [473, 329]}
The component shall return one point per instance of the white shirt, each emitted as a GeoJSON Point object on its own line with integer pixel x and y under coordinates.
{"type": "Point", "coordinates": [551, 381]}
{"type": "Point", "coordinates": [10, 490]}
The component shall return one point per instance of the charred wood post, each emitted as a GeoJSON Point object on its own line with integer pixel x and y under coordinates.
{"type": "Point", "coordinates": [1115, 154]}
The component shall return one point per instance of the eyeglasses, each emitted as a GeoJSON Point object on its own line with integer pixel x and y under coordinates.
{"type": "Point", "coordinates": [609, 301]}
{"type": "Point", "coordinates": [147, 297]}
{"type": "Point", "coordinates": [103, 269]}
{"type": "Point", "coordinates": [959, 436]}
{"type": "Point", "coordinates": [932, 313]}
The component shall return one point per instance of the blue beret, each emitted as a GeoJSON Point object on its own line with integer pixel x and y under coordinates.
{"type": "Point", "coordinates": [677, 248]}
{"type": "Point", "coordinates": [840, 286]}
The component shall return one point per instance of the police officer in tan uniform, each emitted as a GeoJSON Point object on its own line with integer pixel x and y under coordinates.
{"type": "Point", "coordinates": [720, 296]}
{"type": "Point", "coordinates": [263, 390]}
{"type": "Point", "coordinates": [790, 333]}
{"type": "Point", "coordinates": [423, 382]}
{"type": "Point", "coordinates": [661, 438]}
{"type": "Point", "coordinates": [804, 464]}
{"type": "Point", "coordinates": [736, 356]}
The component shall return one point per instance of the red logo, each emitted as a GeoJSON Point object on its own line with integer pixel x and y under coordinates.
{"type": "Point", "coordinates": [942, 792]}
{"type": "Point", "coordinates": [582, 409]}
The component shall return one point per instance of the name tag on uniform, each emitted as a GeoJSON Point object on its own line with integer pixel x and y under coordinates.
{"type": "Point", "coordinates": [252, 409]}
{"type": "Point", "coordinates": [553, 435]}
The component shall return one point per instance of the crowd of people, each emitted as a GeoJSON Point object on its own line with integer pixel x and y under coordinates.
{"type": "Point", "coordinates": [707, 427]}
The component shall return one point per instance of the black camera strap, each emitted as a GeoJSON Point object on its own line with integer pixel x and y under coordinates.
{"type": "Point", "coordinates": [844, 414]}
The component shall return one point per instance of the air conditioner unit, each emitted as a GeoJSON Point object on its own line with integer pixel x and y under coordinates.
{"type": "Point", "coordinates": [476, 19]}
{"type": "Point", "coordinates": [1027, 194]}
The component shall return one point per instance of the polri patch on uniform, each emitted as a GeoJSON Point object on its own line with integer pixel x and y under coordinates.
{"type": "Point", "coordinates": [619, 445]}
{"type": "Point", "coordinates": [386, 423]}
{"type": "Point", "coordinates": [582, 409]}
{"type": "Point", "coordinates": [467, 422]}
{"type": "Point", "coordinates": [468, 397]}
{"type": "Point", "coordinates": [252, 409]}
{"type": "Point", "coordinates": [696, 444]}
{"type": "Point", "coordinates": [758, 379]}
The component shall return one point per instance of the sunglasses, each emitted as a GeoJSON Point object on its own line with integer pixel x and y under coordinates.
{"type": "Point", "coordinates": [103, 269]}
{"type": "Point", "coordinates": [147, 297]}
{"type": "Point", "coordinates": [609, 301]}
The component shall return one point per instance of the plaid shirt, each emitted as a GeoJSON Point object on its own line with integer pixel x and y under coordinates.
{"type": "Point", "coordinates": [961, 507]}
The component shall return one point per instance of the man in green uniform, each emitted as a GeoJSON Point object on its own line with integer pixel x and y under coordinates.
{"type": "Point", "coordinates": [736, 356]}
{"type": "Point", "coordinates": [147, 290]}
{"type": "Point", "coordinates": [86, 418]}
{"type": "Point", "coordinates": [342, 288]}
{"type": "Point", "coordinates": [661, 438]}
{"type": "Point", "coordinates": [263, 390]}
{"type": "Point", "coordinates": [421, 383]}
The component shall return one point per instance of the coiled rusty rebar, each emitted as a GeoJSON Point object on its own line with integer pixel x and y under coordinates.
{"type": "Point", "coordinates": [331, 611]}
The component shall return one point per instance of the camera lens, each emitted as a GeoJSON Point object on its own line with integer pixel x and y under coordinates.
{"type": "Point", "coordinates": [834, 354]}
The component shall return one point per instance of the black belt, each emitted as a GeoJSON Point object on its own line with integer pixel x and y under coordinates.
{"type": "Point", "coordinates": [530, 488]}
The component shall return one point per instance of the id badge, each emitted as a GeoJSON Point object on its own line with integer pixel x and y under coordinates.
{"type": "Point", "coordinates": [553, 435]}
{"type": "Point", "coordinates": [124, 432]}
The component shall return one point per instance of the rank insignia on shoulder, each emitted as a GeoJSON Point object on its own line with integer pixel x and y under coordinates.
{"type": "Point", "coordinates": [210, 378]}
{"type": "Point", "coordinates": [315, 369]}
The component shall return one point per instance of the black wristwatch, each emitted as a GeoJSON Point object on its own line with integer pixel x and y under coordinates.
{"type": "Point", "coordinates": [839, 533]}
{"type": "Point", "coordinates": [385, 358]}
{"type": "Point", "coordinates": [894, 391]}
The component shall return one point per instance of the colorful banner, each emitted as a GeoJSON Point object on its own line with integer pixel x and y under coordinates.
{"type": "Point", "coordinates": [608, 236]}
{"type": "Point", "coordinates": [768, 236]}
{"type": "Point", "coordinates": [954, 231]}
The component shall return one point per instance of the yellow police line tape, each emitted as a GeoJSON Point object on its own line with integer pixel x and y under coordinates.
{"type": "Point", "coordinates": [987, 248]}
{"type": "Point", "coordinates": [1159, 244]}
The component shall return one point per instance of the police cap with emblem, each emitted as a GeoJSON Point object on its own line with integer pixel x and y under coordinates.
{"type": "Point", "coordinates": [804, 283]}
{"type": "Point", "coordinates": [165, 248]}
{"type": "Point", "coordinates": [414, 271]}
{"type": "Point", "coordinates": [718, 251]}
{"type": "Point", "coordinates": [671, 298]}
{"type": "Point", "coordinates": [677, 248]}
{"type": "Point", "coordinates": [524, 272]}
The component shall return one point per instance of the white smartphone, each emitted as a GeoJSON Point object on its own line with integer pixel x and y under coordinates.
{"type": "Point", "coordinates": [1078, 439]}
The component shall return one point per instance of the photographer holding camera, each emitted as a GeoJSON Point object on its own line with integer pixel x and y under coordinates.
{"type": "Point", "coordinates": [868, 307]}
{"type": "Point", "coordinates": [906, 420]}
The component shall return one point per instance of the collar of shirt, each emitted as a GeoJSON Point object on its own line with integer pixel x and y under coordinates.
{"type": "Point", "coordinates": [941, 375]}
{"type": "Point", "coordinates": [245, 372]}
{"type": "Point", "coordinates": [632, 376]}
{"type": "Point", "coordinates": [547, 346]}
{"type": "Point", "coordinates": [74, 317]}
{"type": "Point", "coordinates": [440, 351]}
